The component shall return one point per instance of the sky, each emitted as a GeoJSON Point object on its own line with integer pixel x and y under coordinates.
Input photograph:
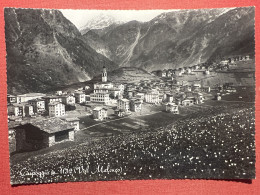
{"type": "Point", "coordinates": [80, 17]}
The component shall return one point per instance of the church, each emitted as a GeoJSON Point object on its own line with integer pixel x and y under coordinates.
{"type": "Point", "coordinates": [104, 89]}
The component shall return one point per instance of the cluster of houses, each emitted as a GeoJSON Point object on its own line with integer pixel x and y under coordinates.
{"type": "Point", "coordinates": [171, 73]}
{"type": "Point", "coordinates": [55, 126]}
{"type": "Point", "coordinates": [197, 68]}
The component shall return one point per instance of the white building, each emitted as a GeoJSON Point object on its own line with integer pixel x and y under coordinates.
{"type": "Point", "coordinates": [56, 109]}
{"type": "Point", "coordinates": [171, 107]}
{"type": "Point", "coordinates": [100, 97]}
{"type": "Point", "coordinates": [38, 105]}
{"type": "Point", "coordinates": [68, 100]}
{"type": "Point", "coordinates": [28, 109]}
{"type": "Point", "coordinates": [29, 96]}
{"type": "Point", "coordinates": [99, 113]}
{"type": "Point", "coordinates": [74, 122]}
{"type": "Point", "coordinates": [135, 105]}
{"type": "Point", "coordinates": [152, 97]}
{"type": "Point", "coordinates": [123, 104]}
{"type": "Point", "coordinates": [80, 97]}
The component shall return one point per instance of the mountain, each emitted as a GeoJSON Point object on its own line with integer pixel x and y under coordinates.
{"type": "Point", "coordinates": [45, 50]}
{"type": "Point", "coordinates": [182, 38]}
{"type": "Point", "coordinates": [102, 21]}
{"type": "Point", "coordinates": [97, 43]}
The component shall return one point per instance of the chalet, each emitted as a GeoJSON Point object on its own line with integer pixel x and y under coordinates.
{"type": "Point", "coordinates": [123, 104]}
{"type": "Point", "coordinates": [135, 105]}
{"type": "Point", "coordinates": [100, 113]}
{"type": "Point", "coordinates": [56, 109]}
{"type": "Point", "coordinates": [38, 105]}
{"type": "Point", "coordinates": [80, 97]}
{"type": "Point", "coordinates": [73, 121]}
{"type": "Point", "coordinates": [171, 107]}
{"type": "Point", "coordinates": [29, 96]}
{"type": "Point", "coordinates": [39, 134]}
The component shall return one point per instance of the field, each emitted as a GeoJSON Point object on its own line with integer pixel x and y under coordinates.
{"type": "Point", "coordinates": [216, 143]}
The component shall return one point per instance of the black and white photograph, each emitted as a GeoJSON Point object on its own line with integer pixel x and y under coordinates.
{"type": "Point", "coordinates": [106, 95]}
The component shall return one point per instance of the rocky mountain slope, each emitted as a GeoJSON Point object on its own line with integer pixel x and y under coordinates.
{"type": "Point", "coordinates": [45, 50]}
{"type": "Point", "coordinates": [182, 38]}
{"type": "Point", "coordinates": [102, 21]}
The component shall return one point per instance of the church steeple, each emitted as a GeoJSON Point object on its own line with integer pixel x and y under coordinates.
{"type": "Point", "coordinates": [104, 74]}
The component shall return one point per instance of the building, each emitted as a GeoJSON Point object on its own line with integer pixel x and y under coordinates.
{"type": "Point", "coordinates": [152, 96]}
{"type": "Point", "coordinates": [199, 98]}
{"type": "Point", "coordinates": [171, 107]}
{"type": "Point", "coordinates": [218, 97]}
{"type": "Point", "coordinates": [56, 109]}
{"type": "Point", "coordinates": [11, 99]}
{"type": "Point", "coordinates": [38, 105]}
{"type": "Point", "coordinates": [73, 121]}
{"type": "Point", "coordinates": [207, 72]}
{"type": "Point", "coordinates": [104, 74]}
{"type": "Point", "coordinates": [51, 99]}
{"type": "Point", "coordinates": [80, 97]}
{"type": "Point", "coordinates": [29, 96]}
{"type": "Point", "coordinates": [16, 110]}
{"type": "Point", "coordinates": [169, 98]}
{"type": "Point", "coordinates": [68, 100]}
{"type": "Point", "coordinates": [188, 101]}
{"type": "Point", "coordinates": [58, 92]}
{"type": "Point", "coordinates": [39, 134]}
{"type": "Point", "coordinates": [28, 109]}
{"type": "Point", "coordinates": [101, 97]}
{"type": "Point", "coordinates": [140, 95]}
{"type": "Point", "coordinates": [100, 113]}
{"type": "Point", "coordinates": [135, 105]}
{"type": "Point", "coordinates": [123, 104]}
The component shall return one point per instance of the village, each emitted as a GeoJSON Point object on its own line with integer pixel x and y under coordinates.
{"type": "Point", "coordinates": [38, 120]}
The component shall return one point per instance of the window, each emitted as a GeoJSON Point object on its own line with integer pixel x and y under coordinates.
{"type": "Point", "coordinates": [62, 135]}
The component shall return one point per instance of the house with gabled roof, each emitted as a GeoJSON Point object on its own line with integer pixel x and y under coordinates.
{"type": "Point", "coordinates": [40, 134]}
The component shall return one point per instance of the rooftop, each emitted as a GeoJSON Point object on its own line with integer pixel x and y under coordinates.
{"type": "Point", "coordinates": [99, 108]}
{"type": "Point", "coordinates": [71, 119]}
{"type": "Point", "coordinates": [31, 94]}
{"type": "Point", "coordinates": [50, 125]}
{"type": "Point", "coordinates": [124, 100]}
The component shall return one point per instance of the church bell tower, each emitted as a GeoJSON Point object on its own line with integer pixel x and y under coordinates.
{"type": "Point", "coordinates": [104, 74]}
